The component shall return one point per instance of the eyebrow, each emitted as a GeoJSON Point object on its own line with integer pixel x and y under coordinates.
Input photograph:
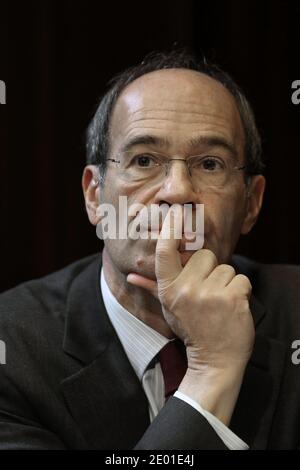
{"type": "Point", "coordinates": [195, 142]}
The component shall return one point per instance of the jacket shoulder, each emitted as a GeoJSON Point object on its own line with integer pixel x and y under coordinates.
{"type": "Point", "coordinates": [277, 287]}
{"type": "Point", "coordinates": [268, 276]}
{"type": "Point", "coordinates": [40, 299]}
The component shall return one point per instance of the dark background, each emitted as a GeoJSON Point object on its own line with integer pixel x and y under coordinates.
{"type": "Point", "coordinates": [56, 58]}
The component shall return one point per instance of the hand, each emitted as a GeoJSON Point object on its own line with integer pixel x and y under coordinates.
{"type": "Point", "coordinates": [207, 306]}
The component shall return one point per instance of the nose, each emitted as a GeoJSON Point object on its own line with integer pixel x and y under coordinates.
{"type": "Point", "coordinates": [177, 186]}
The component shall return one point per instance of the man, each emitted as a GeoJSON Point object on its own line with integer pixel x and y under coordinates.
{"type": "Point", "coordinates": [85, 345]}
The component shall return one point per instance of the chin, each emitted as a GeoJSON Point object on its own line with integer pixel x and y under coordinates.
{"type": "Point", "coordinates": [144, 264]}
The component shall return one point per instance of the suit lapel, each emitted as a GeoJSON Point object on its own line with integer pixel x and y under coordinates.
{"type": "Point", "coordinates": [105, 396]}
{"type": "Point", "coordinates": [254, 411]}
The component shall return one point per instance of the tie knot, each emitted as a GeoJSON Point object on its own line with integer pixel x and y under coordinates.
{"type": "Point", "coordinates": [173, 364]}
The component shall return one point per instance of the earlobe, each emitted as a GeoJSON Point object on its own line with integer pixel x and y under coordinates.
{"type": "Point", "coordinates": [255, 192]}
{"type": "Point", "coordinates": [91, 192]}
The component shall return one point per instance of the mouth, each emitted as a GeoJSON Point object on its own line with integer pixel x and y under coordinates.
{"type": "Point", "coordinates": [189, 242]}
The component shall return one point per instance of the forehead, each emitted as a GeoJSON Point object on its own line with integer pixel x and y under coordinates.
{"type": "Point", "coordinates": [178, 104]}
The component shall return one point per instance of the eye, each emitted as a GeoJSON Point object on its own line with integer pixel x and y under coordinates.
{"type": "Point", "coordinates": [212, 164]}
{"type": "Point", "coordinates": [145, 161]}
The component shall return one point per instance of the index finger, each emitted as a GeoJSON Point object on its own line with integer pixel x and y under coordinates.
{"type": "Point", "coordinates": [167, 260]}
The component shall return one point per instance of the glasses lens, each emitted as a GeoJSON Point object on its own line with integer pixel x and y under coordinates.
{"type": "Point", "coordinates": [208, 171]}
{"type": "Point", "coordinates": [142, 166]}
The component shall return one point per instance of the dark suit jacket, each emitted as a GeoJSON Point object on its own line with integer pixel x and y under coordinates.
{"type": "Point", "coordinates": [68, 384]}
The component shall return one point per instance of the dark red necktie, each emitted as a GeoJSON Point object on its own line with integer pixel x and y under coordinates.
{"type": "Point", "coordinates": [173, 364]}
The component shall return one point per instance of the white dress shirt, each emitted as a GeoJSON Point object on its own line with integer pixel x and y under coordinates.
{"type": "Point", "coordinates": [142, 343]}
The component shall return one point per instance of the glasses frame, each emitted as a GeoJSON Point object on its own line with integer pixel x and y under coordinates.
{"type": "Point", "coordinates": [166, 164]}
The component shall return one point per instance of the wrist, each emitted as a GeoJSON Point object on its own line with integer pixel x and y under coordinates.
{"type": "Point", "coordinates": [215, 390]}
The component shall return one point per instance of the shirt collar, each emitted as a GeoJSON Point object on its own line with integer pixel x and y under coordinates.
{"type": "Point", "coordinates": [140, 342]}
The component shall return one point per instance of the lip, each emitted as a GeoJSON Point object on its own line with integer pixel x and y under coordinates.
{"type": "Point", "coordinates": [186, 238]}
{"type": "Point", "coordinates": [154, 229]}
{"type": "Point", "coordinates": [186, 235]}
{"type": "Point", "coordinates": [198, 237]}
{"type": "Point", "coordinates": [149, 229]}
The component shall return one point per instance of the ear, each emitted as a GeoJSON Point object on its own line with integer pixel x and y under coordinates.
{"type": "Point", "coordinates": [255, 193]}
{"type": "Point", "coordinates": [91, 190]}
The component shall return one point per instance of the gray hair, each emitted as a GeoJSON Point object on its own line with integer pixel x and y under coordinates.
{"type": "Point", "coordinates": [97, 138]}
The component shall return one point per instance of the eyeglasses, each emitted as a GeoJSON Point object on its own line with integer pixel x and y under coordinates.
{"type": "Point", "coordinates": [205, 171]}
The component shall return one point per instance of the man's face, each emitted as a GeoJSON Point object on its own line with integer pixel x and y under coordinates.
{"type": "Point", "coordinates": [179, 113]}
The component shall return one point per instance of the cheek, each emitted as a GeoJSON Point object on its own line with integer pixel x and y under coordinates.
{"type": "Point", "coordinates": [113, 188]}
{"type": "Point", "coordinates": [224, 215]}
{"type": "Point", "coordinates": [123, 196]}
{"type": "Point", "coordinates": [135, 194]}
{"type": "Point", "coordinates": [225, 209]}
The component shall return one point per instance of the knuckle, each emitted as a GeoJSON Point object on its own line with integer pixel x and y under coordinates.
{"type": "Point", "coordinates": [186, 292]}
{"type": "Point", "coordinates": [209, 297]}
{"type": "Point", "coordinates": [236, 301]}
{"type": "Point", "coordinates": [209, 256]}
{"type": "Point", "coordinates": [244, 281]}
{"type": "Point", "coordinates": [226, 269]}
{"type": "Point", "coordinates": [203, 295]}
{"type": "Point", "coordinates": [244, 306]}
{"type": "Point", "coordinates": [230, 298]}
